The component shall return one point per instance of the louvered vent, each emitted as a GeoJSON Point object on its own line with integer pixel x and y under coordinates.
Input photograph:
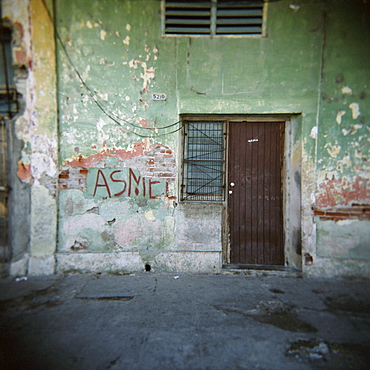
{"type": "Point", "coordinates": [188, 17]}
{"type": "Point", "coordinates": [239, 17]}
{"type": "Point", "coordinates": [216, 17]}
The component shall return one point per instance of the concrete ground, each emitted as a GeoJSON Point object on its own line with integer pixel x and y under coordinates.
{"type": "Point", "coordinates": [167, 321]}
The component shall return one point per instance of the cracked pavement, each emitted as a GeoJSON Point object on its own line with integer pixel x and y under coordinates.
{"type": "Point", "coordinates": [168, 321]}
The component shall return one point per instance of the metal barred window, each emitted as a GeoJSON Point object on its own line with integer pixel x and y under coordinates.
{"type": "Point", "coordinates": [213, 17]}
{"type": "Point", "coordinates": [203, 176]}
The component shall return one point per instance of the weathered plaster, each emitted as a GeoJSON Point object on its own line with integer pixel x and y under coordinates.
{"type": "Point", "coordinates": [333, 267]}
{"type": "Point", "coordinates": [189, 262]}
{"type": "Point", "coordinates": [119, 262]}
{"type": "Point", "coordinates": [312, 63]}
{"type": "Point", "coordinates": [343, 191]}
{"type": "Point", "coordinates": [39, 266]}
{"type": "Point", "coordinates": [346, 239]}
{"type": "Point", "coordinates": [34, 60]}
{"type": "Point", "coordinates": [193, 222]}
{"type": "Point", "coordinates": [342, 163]}
{"type": "Point", "coordinates": [119, 208]}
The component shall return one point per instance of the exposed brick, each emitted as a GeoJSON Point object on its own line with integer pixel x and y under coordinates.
{"type": "Point", "coordinates": [157, 163]}
{"type": "Point", "coordinates": [169, 175]}
{"type": "Point", "coordinates": [73, 178]}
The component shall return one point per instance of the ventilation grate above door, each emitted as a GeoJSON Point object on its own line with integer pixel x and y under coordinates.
{"type": "Point", "coordinates": [187, 17]}
{"type": "Point", "coordinates": [239, 17]}
{"type": "Point", "coordinates": [213, 18]}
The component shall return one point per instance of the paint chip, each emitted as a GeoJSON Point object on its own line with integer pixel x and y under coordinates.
{"type": "Point", "coordinates": [128, 27]}
{"type": "Point", "coordinates": [126, 41]}
{"type": "Point", "coordinates": [149, 215]}
{"type": "Point", "coordinates": [148, 75]}
{"type": "Point", "coordinates": [133, 63]}
{"type": "Point", "coordinates": [89, 25]}
{"type": "Point", "coordinates": [340, 114]}
{"type": "Point", "coordinates": [313, 133]}
{"type": "Point", "coordinates": [347, 90]}
{"type": "Point", "coordinates": [104, 96]}
{"type": "Point", "coordinates": [102, 35]}
{"type": "Point", "coordinates": [355, 110]}
{"type": "Point", "coordinates": [334, 150]}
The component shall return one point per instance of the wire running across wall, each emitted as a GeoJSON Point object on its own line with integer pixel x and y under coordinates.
{"type": "Point", "coordinates": [151, 132]}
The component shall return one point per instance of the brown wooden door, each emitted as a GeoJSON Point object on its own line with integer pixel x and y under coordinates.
{"type": "Point", "coordinates": [255, 201]}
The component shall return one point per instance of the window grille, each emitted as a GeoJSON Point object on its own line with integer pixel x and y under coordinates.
{"type": "Point", "coordinates": [203, 175]}
{"type": "Point", "coordinates": [214, 17]}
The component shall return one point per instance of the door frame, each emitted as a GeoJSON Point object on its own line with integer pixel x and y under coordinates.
{"type": "Point", "coordinates": [291, 187]}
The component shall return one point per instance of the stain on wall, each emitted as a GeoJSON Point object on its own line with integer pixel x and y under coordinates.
{"type": "Point", "coordinates": [301, 67]}
{"type": "Point", "coordinates": [111, 158]}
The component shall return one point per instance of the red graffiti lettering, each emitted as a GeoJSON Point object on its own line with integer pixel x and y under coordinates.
{"type": "Point", "coordinates": [151, 182]}
{"type": "Point", "coordinates": [115, 180]}
{"type": "Point", "coordinates": [100, 173]}
{"type": "Point", "coordinates": [136, 180]}
{"type": "Point", "coordinates": [144, 187]}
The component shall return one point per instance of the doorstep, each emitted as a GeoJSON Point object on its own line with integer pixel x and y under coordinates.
{"type": "Point", "coordinates": [260, 270]}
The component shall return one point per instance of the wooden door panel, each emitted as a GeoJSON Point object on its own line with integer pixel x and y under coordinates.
{"type": "Point", "coordinates": [255, 201]}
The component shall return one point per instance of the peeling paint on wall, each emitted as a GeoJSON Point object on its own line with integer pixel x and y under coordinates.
{"type": "Point", "coordinates": [355, 110]}
{"type": "Point", "coordinates": [314, 132]}
{"type": "Point", "coordinates": [347, 90]}
{"type": "Point", "coordinates": [137, 149]}
{"type": "Point", "coordinates": [333, 150]}
{"type": "Point", "coordinates": [340, 114]}
{"type": "Point", "coordinates": [36, 125]}
{"type": "Point", "coordinates": [24, 172]}
{"type": "Point", "coordinates": [117, 193]}
{"type": "Point", "coordinates": [335, 192]}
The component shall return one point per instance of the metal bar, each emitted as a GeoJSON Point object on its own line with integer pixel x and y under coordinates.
{"type": "Point", "coordinates": [6, 79]}
{"type": "Point", "coordinates": [203, 160]}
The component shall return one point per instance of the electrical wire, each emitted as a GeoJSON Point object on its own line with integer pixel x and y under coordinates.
{"type": "Point", "coordinates": [111, 115]}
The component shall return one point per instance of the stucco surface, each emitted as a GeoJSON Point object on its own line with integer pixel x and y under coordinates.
{"type": "Point", "coordinates": [102, 158]}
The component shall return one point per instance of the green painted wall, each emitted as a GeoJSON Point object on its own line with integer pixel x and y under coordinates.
{"type": "Point", "coordinates": [313, 61]}
{"type": "Point", "coordinates": [343, 144]}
